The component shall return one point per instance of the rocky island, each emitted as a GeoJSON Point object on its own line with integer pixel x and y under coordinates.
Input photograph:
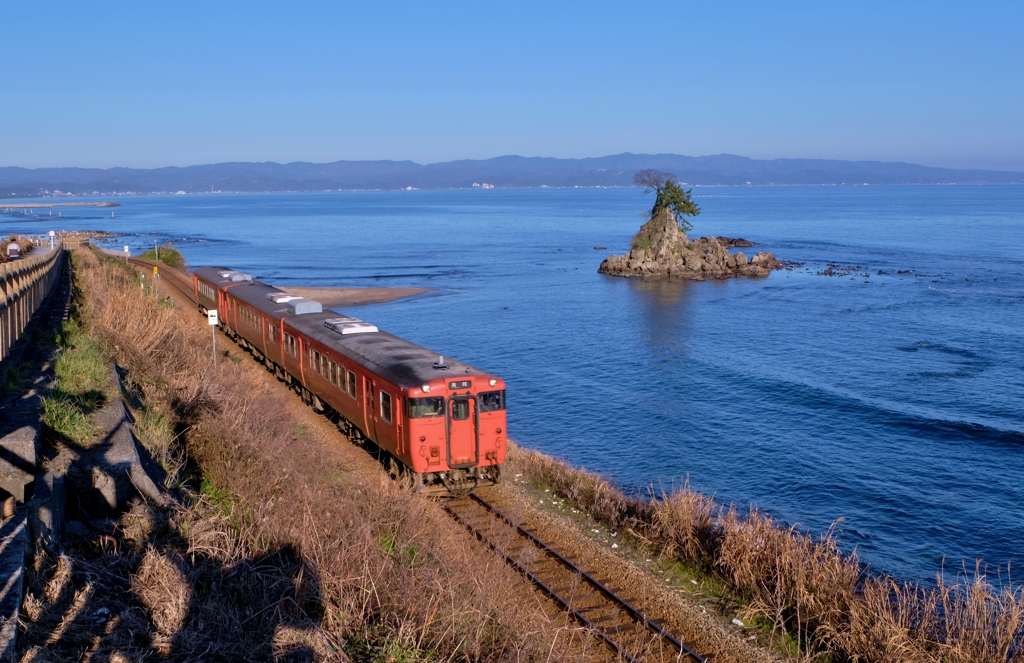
{"type": "Point", "coordinates": [661, 247]}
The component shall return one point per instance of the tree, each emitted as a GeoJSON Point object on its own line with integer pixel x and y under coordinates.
{"type": "Point", "coordinates": [670, 196]}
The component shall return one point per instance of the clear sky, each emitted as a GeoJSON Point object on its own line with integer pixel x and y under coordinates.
{"type": "Point", "coordinates": [150, 84]}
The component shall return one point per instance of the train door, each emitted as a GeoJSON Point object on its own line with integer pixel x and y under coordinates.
{"type": "Point", "coordinates": [463, 438]}
{"type": "Point", "coordinates": [370, 391]}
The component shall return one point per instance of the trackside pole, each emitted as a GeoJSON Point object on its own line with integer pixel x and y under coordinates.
{"type": "Point", "coordinates": [211, 317]}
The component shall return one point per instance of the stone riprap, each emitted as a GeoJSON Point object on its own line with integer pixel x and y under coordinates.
{"type": "Point", "coordinates": [662, 249]}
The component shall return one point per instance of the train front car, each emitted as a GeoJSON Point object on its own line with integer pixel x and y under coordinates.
{"type": "Point", "coordinates": [457, 430]}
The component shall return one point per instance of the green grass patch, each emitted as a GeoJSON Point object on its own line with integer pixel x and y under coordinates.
{"type": "Point", "coordinates": [166, 254]}
{"type": "Point", "coordinates": [64, 416]}
{"type": "Point", "coordinates": [219, 497]}
{"type": "Point", "coordinates": [80, 389]}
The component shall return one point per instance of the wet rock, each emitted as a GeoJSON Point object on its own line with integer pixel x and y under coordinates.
{"type": "Point", "coordinates": [662, 249]}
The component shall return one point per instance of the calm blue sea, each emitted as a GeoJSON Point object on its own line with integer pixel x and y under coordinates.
{"type": "Point", "coordinates": [892, 401]}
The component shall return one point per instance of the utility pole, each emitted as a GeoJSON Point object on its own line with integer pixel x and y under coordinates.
{"type": "Point", "coordinates": [211, 317]}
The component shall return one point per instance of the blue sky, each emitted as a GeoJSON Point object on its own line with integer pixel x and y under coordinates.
{"type": "Point", "coordinates": [154, 84]}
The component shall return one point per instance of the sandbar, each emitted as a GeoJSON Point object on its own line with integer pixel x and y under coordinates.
{"type": "Point", "coordinates": [340, 297]}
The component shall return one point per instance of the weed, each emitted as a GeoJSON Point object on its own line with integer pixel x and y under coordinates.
{"type": "Point", "coordinates": [819, 602]}
{"type": "Point", "coordinates": [168, 255]}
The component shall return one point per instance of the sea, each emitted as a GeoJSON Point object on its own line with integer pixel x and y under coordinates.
{"type": "Point", "coordinates": [883, 396]}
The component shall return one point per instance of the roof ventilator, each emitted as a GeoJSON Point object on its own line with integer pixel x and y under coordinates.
{"type": "Point", "coordinates": [236, 277]}
{"type": "Point", "coordinates": [299, 306]}
{"type": "Point", "coordinates": [281, 297]}
{"type": "Point", "coordinates": [440, 362]}
{"type": "Point", "coordinates": [347, 325]}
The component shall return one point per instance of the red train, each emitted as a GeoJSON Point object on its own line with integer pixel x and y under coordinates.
{"type": "Point", "coordinates": [442, 419]}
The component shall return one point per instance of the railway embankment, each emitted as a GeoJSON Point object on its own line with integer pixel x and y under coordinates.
{"type": "Point", "coordinates": [282, 541]}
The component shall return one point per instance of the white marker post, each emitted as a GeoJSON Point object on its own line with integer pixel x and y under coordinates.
{"type": "Point", "coordinates": [52, 235]}
{"type": "Point", "coordinates": [127, 253]}
{"type": "Point", "coordinates": [156, 281]}
{"type": "Point", "coordinates": [211, 317]}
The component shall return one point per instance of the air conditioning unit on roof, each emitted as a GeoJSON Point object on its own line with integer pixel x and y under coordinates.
{"type": "Point", "coordinates": [281, 297]}
{"type": "Point", "coordinates": [346, 325]}
{"type": "Point", "coordinates": [299, 306]}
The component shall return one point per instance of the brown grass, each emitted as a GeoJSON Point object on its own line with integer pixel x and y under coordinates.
{"type": "Point", "coordinates": [385, 575]}
{"type": "Point", "coordinates": [817, 600]}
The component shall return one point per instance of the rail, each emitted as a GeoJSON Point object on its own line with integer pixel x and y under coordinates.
{"type": "Point", "coordinates": [24, 284]}
{"type": "Point", "coordinates": [169, 275]}
{"type": "Point", "coordinates": [629, 633]}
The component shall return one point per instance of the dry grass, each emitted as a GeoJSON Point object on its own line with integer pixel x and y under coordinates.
{"type": "Point", "coordinates": [380, 573]}
{"type": "Point", "coordinates": [820, 604]}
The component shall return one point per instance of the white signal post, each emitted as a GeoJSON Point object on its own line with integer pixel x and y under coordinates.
{"type": "Point", "coordinates": [211, 317]}
{"type": "Point", "coordinates": [52, 235]}
{"type": "Point", "coordinates": [127, 253]}
{"type": "Point", "coordinates": [156, 281]}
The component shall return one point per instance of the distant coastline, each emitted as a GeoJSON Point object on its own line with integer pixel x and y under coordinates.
{"type": "Point", "coordinates": [508, 172]}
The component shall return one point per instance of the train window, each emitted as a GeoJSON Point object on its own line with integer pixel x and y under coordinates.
{"type": "Point", "coordinates": [291, 346]}
{"type": "Point", "coordinates": [385, 406]}
{"type": "Point", "coordinates": [492, 400]}
{"type": "Point", "coordinates": [421, 408]}
{"type": "Point", "coordinates": [460, 410]}
{"type": "Point", "coordinates": [272, 334]}
{"type": "Point", "coordinates": [351, 384]}
{"type": "Point", "coordinates": [333, 374]}
{"type": "Point", "coordinates": [325, 367]}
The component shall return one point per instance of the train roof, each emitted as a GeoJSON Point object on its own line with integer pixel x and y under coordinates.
{"type": "Point", "coordinates": [395, 359]}
{"type": "Point", "coordinates": [223, 276]}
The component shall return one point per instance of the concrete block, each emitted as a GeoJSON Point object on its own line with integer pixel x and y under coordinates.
{"type": "Point", "coordinates": [47, 509]}
{"type": "Point", "coordinates": [13, 549]}
{"type": "Point", "coordinates": [19, 453]}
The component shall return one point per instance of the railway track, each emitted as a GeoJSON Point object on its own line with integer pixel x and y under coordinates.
{"type": "Point", "coordinates": [169, 276]}
{"type": "Point", "coordinates": [623, 628]}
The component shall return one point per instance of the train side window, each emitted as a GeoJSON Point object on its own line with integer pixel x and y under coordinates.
{"type": "Point", "coordinates": [385, 406]}
{"type": "Point", "coordinates": [325, 367]}
{"type": "Point", "coordinates": [351, 384]}
{"type": "Point", "coordinates": [421, 408]}
{"type": "Point", "coordinates": [291, 346]}
{"type": "Point", "coordinates": [272, 334]}
{"type": "Point", "coordinates": [491, 401]}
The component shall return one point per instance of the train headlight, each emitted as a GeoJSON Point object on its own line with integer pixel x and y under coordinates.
{"type": "Point", "coordinates": [493, 382]}
{"type": "Point", "coordinates": [426, 389]}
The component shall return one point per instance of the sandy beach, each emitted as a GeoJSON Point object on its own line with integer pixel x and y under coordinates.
{"type": "Point", "coordinates": [339, 297]}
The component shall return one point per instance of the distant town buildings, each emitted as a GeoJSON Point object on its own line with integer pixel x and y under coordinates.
{"type": "Point", "coordinates": [485, 185]}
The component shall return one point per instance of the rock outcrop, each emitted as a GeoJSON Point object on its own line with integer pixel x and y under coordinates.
{"type": "Point", "coordinates": [662, 249]}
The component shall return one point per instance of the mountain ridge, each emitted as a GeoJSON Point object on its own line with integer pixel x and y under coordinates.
{"type": "Point", "coordinates": [507, 171]}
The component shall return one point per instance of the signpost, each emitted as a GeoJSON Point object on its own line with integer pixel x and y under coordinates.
{"type": "Point", "coordinates": [127, 253]}
{"type": "Point", "coordinates": [52, 235]}
{"type": "Point", "coordinates": [156, 281]}
{"type": "Point", "coordinates": [211, 317]}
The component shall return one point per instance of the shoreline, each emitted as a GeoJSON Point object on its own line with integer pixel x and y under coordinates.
{"type": "Point", "coordinates": [344, 297]}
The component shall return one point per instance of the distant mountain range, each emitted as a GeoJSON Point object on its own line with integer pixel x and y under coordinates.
{"type": "Point", "coordinates": [500, 172]}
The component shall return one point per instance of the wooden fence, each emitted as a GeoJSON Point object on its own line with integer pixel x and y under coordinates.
{"type": "Point", "coordinates": [24, 284]}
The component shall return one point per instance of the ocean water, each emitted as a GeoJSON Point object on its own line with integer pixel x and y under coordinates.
{"type": "Point", "coordinates": [894, 402]}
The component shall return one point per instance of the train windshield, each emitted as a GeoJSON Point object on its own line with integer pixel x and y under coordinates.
{"type": "Point", "coordinates": [420, 408]}
{"type": "Point", "coordinates": [492, 400]}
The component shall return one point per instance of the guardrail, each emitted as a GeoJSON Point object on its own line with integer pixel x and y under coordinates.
{"type": "Point", "coordinates": [24, 284]}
